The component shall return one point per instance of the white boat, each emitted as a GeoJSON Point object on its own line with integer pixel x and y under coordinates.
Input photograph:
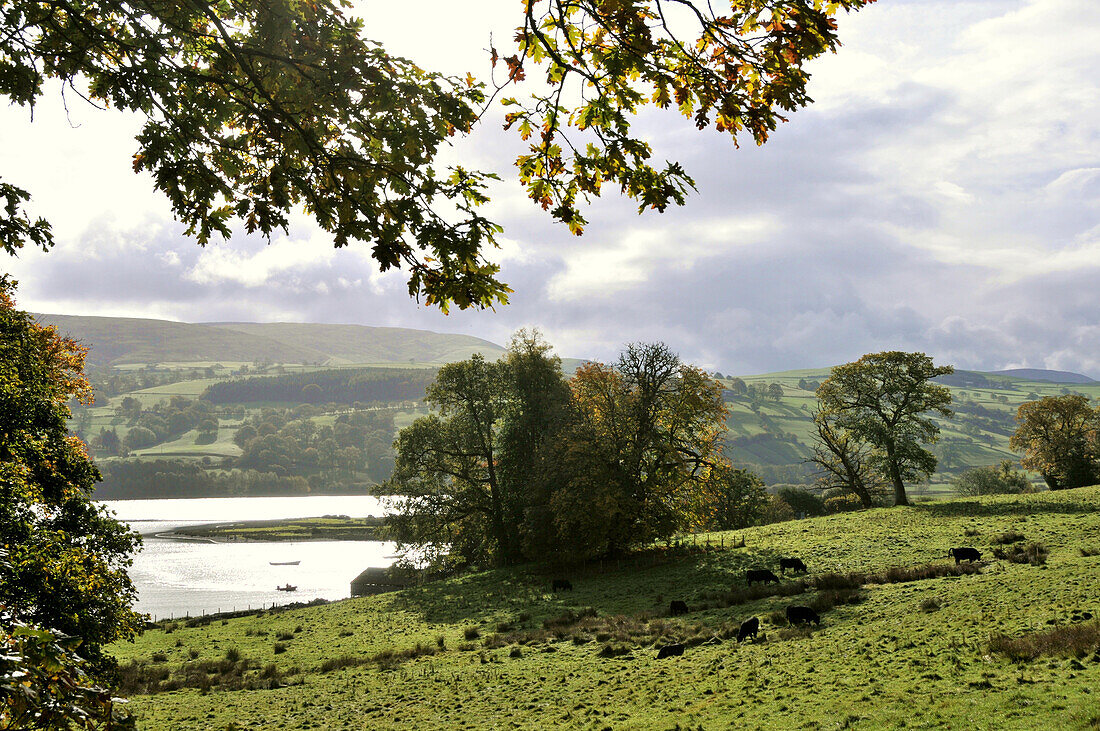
{"type": "Point", "coordinates": [284, 563]}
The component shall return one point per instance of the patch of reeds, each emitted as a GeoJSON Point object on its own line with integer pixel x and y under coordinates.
{"type": "Point", "coordinates": [139, 678]}
{"type": "Point", "coordinates": [1032, 553]}
{"type": "Point", "coordinates": [1008, 537]}
{"type": "Point", "coordinates": [930, 605]}
{"type": "Point", "coordinates": [1072, 640]}
{"type": "Point", "coordinates": [920, 572]}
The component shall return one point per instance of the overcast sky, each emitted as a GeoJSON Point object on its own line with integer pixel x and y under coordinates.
{"type": "Point", "coordinates": [942, 194]}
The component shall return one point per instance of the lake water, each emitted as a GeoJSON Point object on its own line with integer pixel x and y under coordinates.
{"type": "Point", "coordinates": [176, 578]}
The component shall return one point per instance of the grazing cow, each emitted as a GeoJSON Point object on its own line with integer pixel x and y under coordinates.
{"type": "Point", "coordinates": [670, 651]}
{"type": "Point", "coordinates": [802, 615]}
{"type": "Point", "coordinates": [794, 564]}
{"type": "Point", "coordinates": [761, 575]}
{"type": "Point", "coordinates": [677, 607]}
{"type": "Point", "coordinates": [749, 628]}
{"type": "Point", "coordinates": [965, 554]}
{"type": "Point", "coordinates": [561, 585]}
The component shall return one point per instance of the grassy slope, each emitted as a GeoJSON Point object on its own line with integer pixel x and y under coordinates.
{"type": "Point", "coordinates": [878, 664]}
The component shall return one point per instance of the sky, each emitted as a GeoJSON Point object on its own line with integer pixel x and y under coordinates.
{"type": "Point", "coordinates": [941, 194]}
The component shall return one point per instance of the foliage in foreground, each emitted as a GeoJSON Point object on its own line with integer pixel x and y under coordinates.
{"type": "Point", "coordinates": [67, 558]}
{"type": "Point", "coordinates": [44, 683]}
{"type": "Point", "coordinates": [255, 109]}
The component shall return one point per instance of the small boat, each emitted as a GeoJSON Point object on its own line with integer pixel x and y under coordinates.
{"type": "Point", "coordinates": [288, 587]}
{"type": "Point", "coordinates": [284, 563]}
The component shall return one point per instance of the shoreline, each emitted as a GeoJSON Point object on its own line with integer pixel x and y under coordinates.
{"type": "Point", "coordinates": [321, 528]}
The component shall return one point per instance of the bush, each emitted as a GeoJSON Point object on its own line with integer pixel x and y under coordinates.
{"type": "Point", "coordinates": [776, 511]}
{"type": "Point", "coordinates": [1002, 479]}
{"type": "Point", "coordinates": [802, 501]}
{"type": "Point", "coordinates": [471, 633]}
{"type": "Point", "coordinates": [843, 503]}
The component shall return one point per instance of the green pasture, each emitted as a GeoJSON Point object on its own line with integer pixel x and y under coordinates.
{"type": "Point", "coordinates": [185, 446]}
{"type": "Point", "coordinates": [497, 649]}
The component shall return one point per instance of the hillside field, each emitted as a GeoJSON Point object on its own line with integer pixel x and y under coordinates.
{"type": "Point", "coordinates": [498, 649]}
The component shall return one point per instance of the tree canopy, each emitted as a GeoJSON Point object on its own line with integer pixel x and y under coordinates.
{"type": "Point", "coordinates": [1060, 439]}
{"type": "Point", "coordinates": [255, 109]}
{"type": "Point", "coordinates": [885, 399]}
{"type": "Point", "coordinates": [517, 463]}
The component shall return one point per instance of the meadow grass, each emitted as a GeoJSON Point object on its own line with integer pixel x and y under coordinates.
{"type": "Point", "coordinates": [905, 640]}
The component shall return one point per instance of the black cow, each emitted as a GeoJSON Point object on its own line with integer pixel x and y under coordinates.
{"type": "Point", "coordinates": [802, 615]}
{"type": "Point", "coordinates": [749, 628]}
{"type": "Point", "coordinates": [670, 651]}
{"type": "Point", "coordinates": [965, 554]}
{"type": "Point", "coordinates": [561, 585]}
{"type": "Point", "coordinates": [761, 575]}
{"type": "Point", "coordinates": [794, 564]}
{"type": "Point", "coordinates": [677, 607]}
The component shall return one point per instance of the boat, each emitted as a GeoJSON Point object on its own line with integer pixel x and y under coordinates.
{"type": "Point", "coordinates": [284, 563]}
{"type": "Point", "coordinates": [288, 587]}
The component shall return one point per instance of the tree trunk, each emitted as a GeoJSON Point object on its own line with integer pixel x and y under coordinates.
{"type": "Point", "coordinates": [900, 498]}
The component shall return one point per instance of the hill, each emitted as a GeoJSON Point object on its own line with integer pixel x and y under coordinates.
{"type": "Point", "coordinates": [117, 341]}
{"type": "Point", "coordinates": [774, 437]}
{"type": "Point", "coordinates": [906, 639]}
{"type": "Point", "coordinates": [1039, 374]}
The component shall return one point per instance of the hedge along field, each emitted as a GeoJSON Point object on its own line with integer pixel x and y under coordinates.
{"type": "Point", "coordinates": [497, 648]}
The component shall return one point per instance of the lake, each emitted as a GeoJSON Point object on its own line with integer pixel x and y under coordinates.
{"type": "Point", "coordinates": [176, 578]}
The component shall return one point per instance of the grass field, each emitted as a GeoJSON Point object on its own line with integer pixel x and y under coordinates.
{"type": "Point", "coordinates": [498, 649]}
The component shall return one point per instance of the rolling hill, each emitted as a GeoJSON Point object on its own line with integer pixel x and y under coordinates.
{"type": "Point", "coordinates": [116, 341]}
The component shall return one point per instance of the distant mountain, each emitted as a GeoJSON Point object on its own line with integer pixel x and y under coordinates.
{"type": "Point", "coordinates": [1040, 374]}
{"type": "Point", "coordinates": [124, 340]}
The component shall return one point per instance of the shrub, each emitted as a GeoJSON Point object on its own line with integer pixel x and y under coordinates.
{"type": "Point", "coordinates": [1087, 551]}
{"type": "Point", "coordinates": [1002, 479]}
{"type": "Point", "coordinates": [1007, 537]}
{"type": "Point", "coordinates": [802, 501]}
{"type": "Point", "coordinates": [842, 503]}
{"type": "Point", "coordinates": [279, 648]}
{"type": "Point", "coordinates": [471, 633]}
{"type": "Point", "coordinates": [776, 511]}
{"type": "Point", "coordinates": [930, 605]}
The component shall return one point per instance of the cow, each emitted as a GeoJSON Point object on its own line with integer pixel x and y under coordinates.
{"type": "Point", "coordinates": [794, 564]}
{"type": "Point", "coordinates": [802, 615]}
{"type": "Point", "coordinates": [670, 651]}
{"type": "Point", "coordinates": [965, 554]}
{"type": "Point", "coordinates": [561, 585]}
{"type": "Point", "coordinates": [749, 628]}
{"type": "Point", "coordinates": [677, 607]}
{"type": "Point", "coordinates": [762, 575]}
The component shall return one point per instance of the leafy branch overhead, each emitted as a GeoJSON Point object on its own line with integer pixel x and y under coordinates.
{"type": "Point", "coordinates": [738, 69]}
{"type": "Point", "coordinates": [255, 109]}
